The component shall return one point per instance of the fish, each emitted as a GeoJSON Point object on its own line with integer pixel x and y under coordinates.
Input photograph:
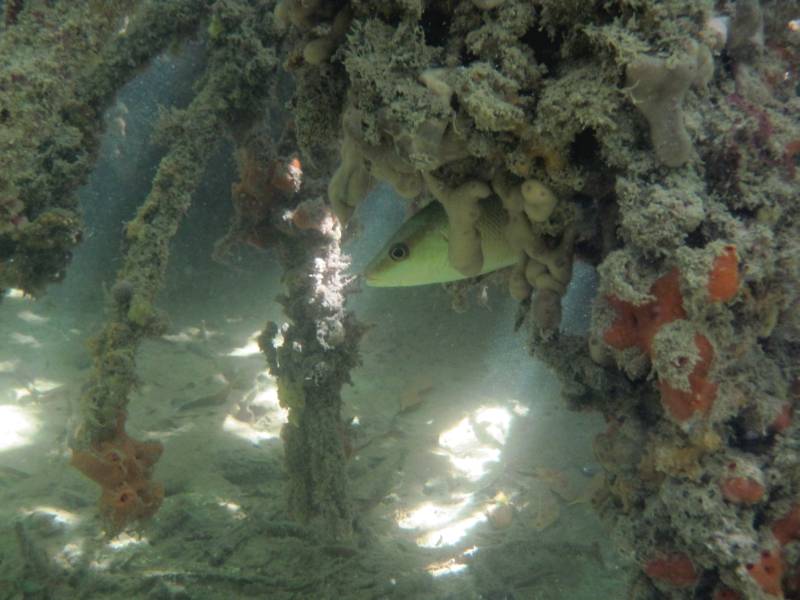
{"type": "Point", "coordinates": [417, 253]}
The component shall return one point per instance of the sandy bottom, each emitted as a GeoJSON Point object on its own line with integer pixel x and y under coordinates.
{"type": "Point", "coordinates": [469, 478]}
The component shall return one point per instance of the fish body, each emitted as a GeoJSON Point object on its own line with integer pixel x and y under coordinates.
{"type": "Point", "coordinates": [417, 253]}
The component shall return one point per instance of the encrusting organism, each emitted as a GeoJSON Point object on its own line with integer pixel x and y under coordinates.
{"type": "Point", "coordinates": [723, 281]}
{"type": "Point", "coordinates": [689, 390]}
{"type": "Point", "coordinates": [123, 468]}
{"type": "Point", "coordinates": [675, 569]}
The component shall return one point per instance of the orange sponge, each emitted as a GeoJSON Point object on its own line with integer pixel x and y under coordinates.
{"type": "Point", "coordinates": [638, 325]}
{"type": "Point", "coordinates": [723, 281]}
{"type": "Point", "coordinates": [787, 528]}
{"type": "Point", "coordinates": [726, 593]}
{"type": "Point", "coordinates": [122, 466]}
{"type": "Point", "coordinates": [742, 490]}
{"type": "Point", "coordinates": [675, 569]}
{"type": "Point", "coordinates": [680, 404]}
{"type": "Point", "coordinates": [768, 573]}
{"type": "Point", "coordinates": [783, 420]}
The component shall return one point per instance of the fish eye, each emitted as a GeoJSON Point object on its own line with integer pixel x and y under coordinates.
{"type": "Point", "coordinates": [398, 252]}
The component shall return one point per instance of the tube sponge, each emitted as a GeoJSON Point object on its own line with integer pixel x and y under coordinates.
{"type": "Point", "coordinates": [463, 211]}
{"type": "Point", "coordinates": [545, 264]}
{"type": "Point", "coordinates": [540, 201]}
{"type": "Point", "coordinates": [320, 50]}
{"type": "Point", "coordinates": [518, 230]}
{"type": "Point", "coordinates": [657, 87]}
{"type": "Point", "coordinates": [350, 181]}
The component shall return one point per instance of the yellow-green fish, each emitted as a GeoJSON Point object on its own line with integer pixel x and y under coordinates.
{"type": "Point", "coordinates": [417, 253]}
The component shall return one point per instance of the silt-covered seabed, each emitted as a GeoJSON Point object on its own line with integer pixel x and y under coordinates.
{"type": "Point", "coordinates": [469, 473]}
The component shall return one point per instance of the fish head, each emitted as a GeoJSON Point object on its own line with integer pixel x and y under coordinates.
{"type": "Point", "coordinates": [416, 255]}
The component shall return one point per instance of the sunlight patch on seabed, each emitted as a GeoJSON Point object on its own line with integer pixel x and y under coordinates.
{"type": "Point", "coordinates": [471, 446]}
{"type": "Point", "coordinates": [17, 426]}
{"type": "Point", "coordinates": [476, 440]}
{"type": "Point", "coordinates": [181, 337]}
{"type": "Point", "coordinates": [445, 567]}
{"type": "Point", "coordinates": [70, 555]}
{"type": "Point", "coordinates": [25, 340]}
{"type": "Point", "coordinates": [250, 347]}
{"type": "Point", "coordinates": [451, 566]}
{"type": "Point", "coordinates": [18, 393]}
{"type": "Point", "coordinates": [232, 507]}
{"type": "Point", "coordinates": [453, 533]}
{"type": "Point", "coordinates": [58, 515]}
{"type": "Point", "coordinates": [42, 385]}
{"type": "Point", "coordinates": [16, 294]}
{"type": "Point", "coordinates": [431, 515]}
{"type": "Point", "coordinates": [126, 540]}
{"type": "Point", "coordinates": [191, 334]}
{"type": "Point", "coordinates": [8, 366]}
{"type": "Point", "coordinates": [262, 399]}
{"type": "Point", "coordinates": [39, 385]}
{"type": "Point", "coordinates": [245, 430]}
{"type": "Point", "coordinates": [31, 317]}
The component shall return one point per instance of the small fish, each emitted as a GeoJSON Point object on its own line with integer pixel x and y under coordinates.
{"type": "Point", "coordinates": [417, 253]}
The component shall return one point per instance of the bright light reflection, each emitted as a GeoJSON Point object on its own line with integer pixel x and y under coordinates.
{"type": "Point", "coordinates": [495, 421]}
{"type": "Point", "coordinates": [446, 567]}
{"type": "Point", "coordinates": [460, 438]}
{"type": "Point", "coordinates": [15, 293]}
{"type": "Point", "coordinates": [451, 534]}
{"type": "Point", "coordinates": [471, 445]}
{"type": "Point", "coordinates": [189, 334]}
{"type": "Point", "coordinates": [31, 317]}
{"type": "Point", "coordinates": [430, 515]}
{"type": "Point", "coordinates": [16, 427]}
{"type": "Point", "coordinates": [100, 564]}
{"type": "Point", "coordinates": [250, 348]}
{"type": "Point", "coordinates": [475, 466]}
{"type": "Point", "coordinates": [269, 425]}
{"type": "Point", "coordinates": [69, 555]}
{"type": "Point", "coordinates": [20, 393]}
{"type": "Point", "coordinates": [465, 446]}
{"type": "Point", "coordinates": [268, 397]}
{"type": "Point", "coordinates": [233, 508]}
{"type": "Point", "coordinates": [125, 540]}
{"type": "Point", "coordinates": [25, 340]}
{"type": "Point", "coordinates": [8, 366]}
{"type": "Point", "coordinates": [181, 337]}
{"type": "Point", "coordinates": [42, 385]}
{"type": "Point", "coordinates": [519, 409]}
{"type": "Point", "coordinates": [245, 431]}
{"type": "Point", "coordinates": [59, 515]}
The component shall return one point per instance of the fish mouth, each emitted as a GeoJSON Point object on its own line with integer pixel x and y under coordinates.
{"type": "Point", "coordinates": [368, 275]}
{"type": "Point", "coordinates": [373, 280]}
